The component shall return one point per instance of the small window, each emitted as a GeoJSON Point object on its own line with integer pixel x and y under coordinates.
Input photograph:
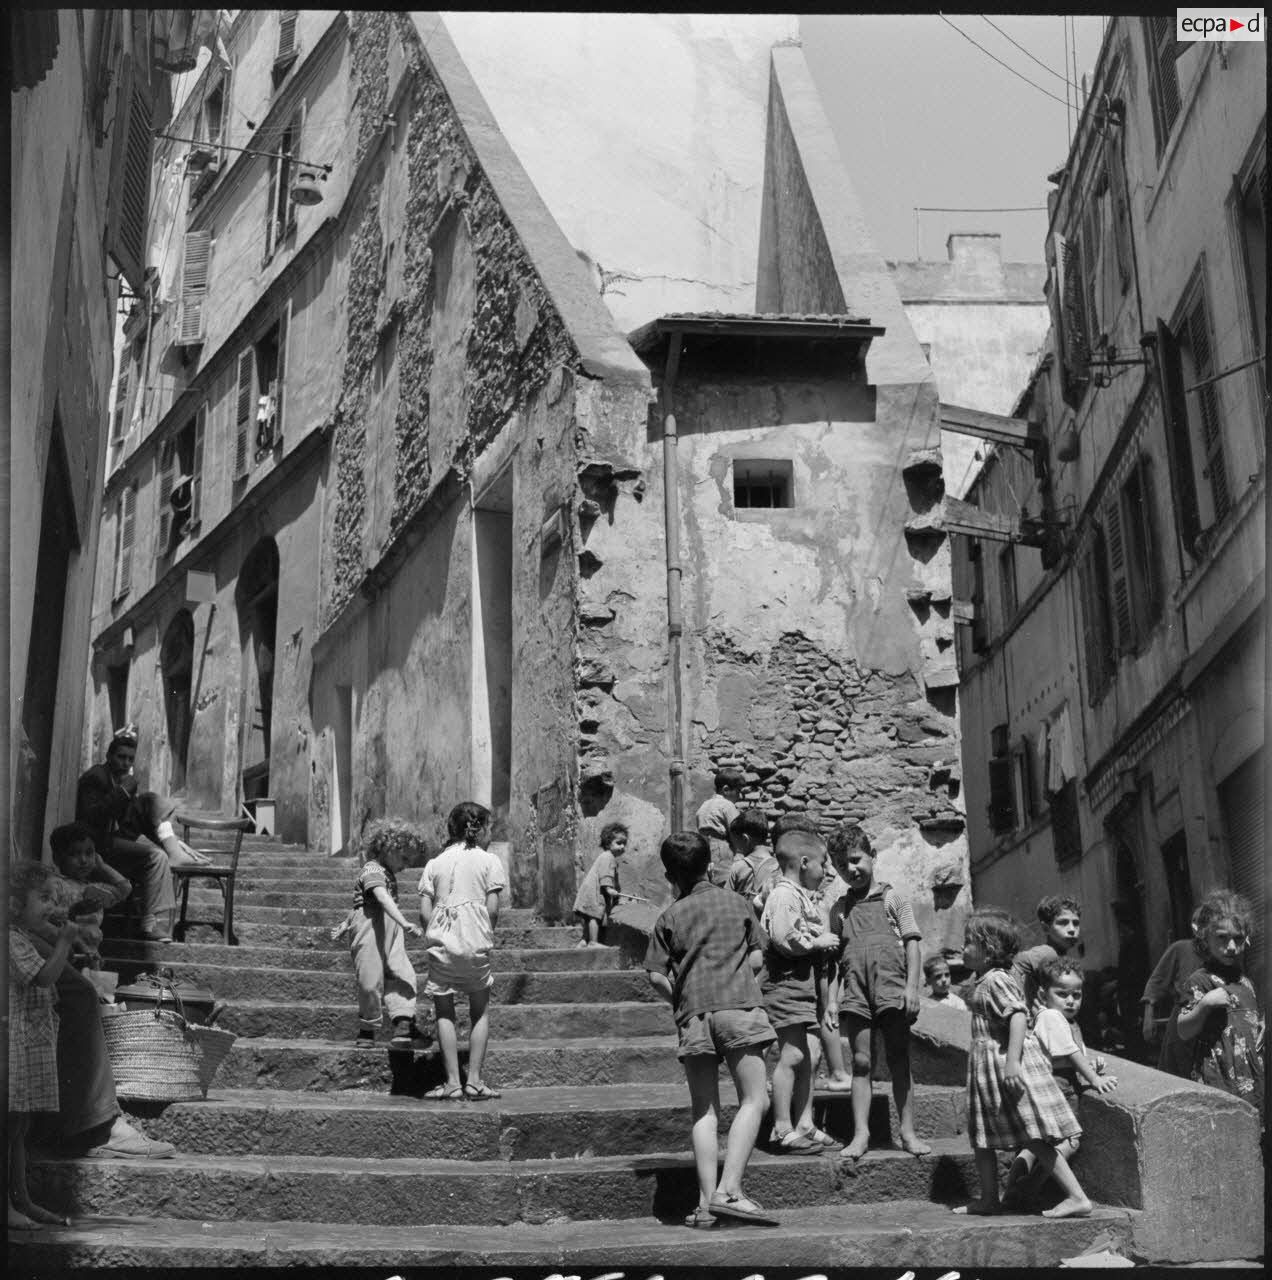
{"type": "Point", "coordinates": [760, 484]}
{"type": "Point", "coordinates": [125, 533]}
{"type": "Point", "coordinates": [181, 484]}
{"type": "Point", "coordinates": [1002, 792]}
{"type": "Point", "coordinates": [280, 211]}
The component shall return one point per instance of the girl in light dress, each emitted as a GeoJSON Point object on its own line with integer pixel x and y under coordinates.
{"type": "Point", "coordinates": [34, 907]}
{"type": "Point", "coordinates": [599, 891]}
{"type": "Point", "coordinates": [1013, 1100]}
{"type": "Point", "coordinates": [459, 904]}
{"type": "Point", "coordinates": [1219, 1016]}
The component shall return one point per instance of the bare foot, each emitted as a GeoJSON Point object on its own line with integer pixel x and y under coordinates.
{"type": "Point", "coordinates": [979, 1208]}
{"type": "Point", "coordinates": [915, 1146]}
{"type": "Point", "coordinates": [1069, 1208]}
{"type": "Point", "coordinates": [856, 1148]}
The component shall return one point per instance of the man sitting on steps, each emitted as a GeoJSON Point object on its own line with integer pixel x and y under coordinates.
{"type": "Point", "coordinates": [107, 801]}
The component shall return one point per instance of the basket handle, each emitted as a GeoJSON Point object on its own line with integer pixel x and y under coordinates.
{"type": "Point", "coordinates": [166, 978]}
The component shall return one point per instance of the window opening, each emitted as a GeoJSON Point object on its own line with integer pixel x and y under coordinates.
{"type": "Point", "coordinates": [762, 485]}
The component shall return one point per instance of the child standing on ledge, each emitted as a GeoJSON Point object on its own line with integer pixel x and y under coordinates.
{"type": "Point", "coordinates": [715, 817]}
{"type": "Point", "coordinates": [599, 892]}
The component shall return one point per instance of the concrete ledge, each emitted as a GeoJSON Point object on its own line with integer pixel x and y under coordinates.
{"type": "Point", "coordinates": [1184, 1154]}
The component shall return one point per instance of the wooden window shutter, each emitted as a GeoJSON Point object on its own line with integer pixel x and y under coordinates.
{"type": "Point", "coordinates": [1119, 578]}
{"type": "Point", "coordinates": [1175, 403]}
{"type": "Point", "coordinates": [1073, 342]}
{"type": "Point", "coordinates": [129, 195]}
{"type": "Point", "coordinates": [127, 533]}
{"type": "Point", "coordinates": [1121, 209]}
{"type": "Point", "coordinates": [287, 34]}
{"type": "Point", "coordinates": [196, 470]}
{"type": "Point", "coordinates": [117, 431]}
{"type": "Point", "coordinates": [195, 265]}
{"type": "Point", "coordinates": [244, 415]}
{"type": "Point", "coordinates": [1002, 796]}
{"type": "Point", "coordinates": [1151, 587]}
{"type": "Point", "coordinates": [1215, 470]}
{"type": "Point", "coordinates": [167, 476]}
{"type": "Point", "coordinates": [1090, 625]}
{"type": "Point", "coordinates": [280, 380]}
{"type": "Point", "coordinates": [1163, 76]}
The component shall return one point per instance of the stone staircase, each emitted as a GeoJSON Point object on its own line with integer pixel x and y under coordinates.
{"type": "Point", "coordinates": [309, 1152]}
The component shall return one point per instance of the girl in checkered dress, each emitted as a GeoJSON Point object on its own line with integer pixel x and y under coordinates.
{"type": "Point", "coordinates": [1013, 1100]}
{"type": "Point", "coordinates": [33, 906]}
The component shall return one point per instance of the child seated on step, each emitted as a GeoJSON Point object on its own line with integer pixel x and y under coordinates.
{"type": "Point", "coordinates": [795, 985]}
{"type": "Point", "coordinates": [459, 905]}
{"type": "Point", "coordinates": [1061, 920]}
{"type": "Point", "coordinates": [754, 868]}
{"type": "Point", "coordinates": [81, 872]}
{"type": "Point", "coordinates": [1074, 1071]}
{"type": "Point", "coordinates": [1012, 1099]}
{"type": "Point", "coordinates": [377, 945]}
{"type": "Point", "coordinates": [33, 1074]}
{"type": "Point", "coordinates": [702, 958]}
{"type": "Point", "coordinates": [936, 969]}
{"type": "Point", "coordinates": [877, 985]}
{"type": "Point", "coordinates": [599, 891]}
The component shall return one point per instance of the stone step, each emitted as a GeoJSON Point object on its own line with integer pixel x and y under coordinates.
{"type": "Point", "coordinates": [559, 1122]}
{"type": "Point", "coordinates": [305, 985]}
{"type": "Point", "coordinates": [892, 1235]}
{"type": "Point", "coordinates": [507, 1021]}
{"type": "Point", "coordinates": [316, 932]}
{"type": "Point", "coordinates": [334, 1065]}
{"type": "Point", "coordinates": [135, 957]}
{"type": "Point", "coordinates": [383, 1192]}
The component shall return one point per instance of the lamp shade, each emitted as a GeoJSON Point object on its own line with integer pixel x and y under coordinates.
{"type": "Point", "coordinates": [305, 189]}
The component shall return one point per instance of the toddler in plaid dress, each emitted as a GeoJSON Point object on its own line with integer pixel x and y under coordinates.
{"type": "Point", "coordinates": [1013, 1101]}
{"type": "Point", "coordinates": [32, 1027]}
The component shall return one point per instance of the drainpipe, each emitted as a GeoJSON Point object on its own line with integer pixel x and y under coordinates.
{"type": "Point", "coordinates": [675, 616]}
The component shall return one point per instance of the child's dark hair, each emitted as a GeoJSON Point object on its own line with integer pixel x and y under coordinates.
{"type": "Point", "coordinates": [997, 933]}
{"type": "Point", "coordinates": [1218, 907]}
{"type": "Point", "coordinates": [24, 880]}
{"type": "Point", "coordinates": [464, 817]}
{"type": "Point", "coordinates": [610, 830]}
{"type": "Point", "coordinates": [388, 836]}
{"type": "Point", "coordinates": [1054, 970]}
{"type": "Point", "coordinates": [789, 822]}
{"type": "Point", "coordinates": [729, 778]}
{"type": "Point", "coordinates": [934, 962]}
{"type": "Point", "coordinates": [751, 823]}
{"type": "Point", "coordinates": [846, 836]}
{"type": "Point", "coordinates": [64, 838]}
{"type": "Point", "coordinates": [1052, 905]}
{"type": "Point", "coordinates": [686, 857]}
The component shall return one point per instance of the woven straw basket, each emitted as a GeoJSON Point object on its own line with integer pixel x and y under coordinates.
{"type": "Point", "coordinates": [157, 1056]}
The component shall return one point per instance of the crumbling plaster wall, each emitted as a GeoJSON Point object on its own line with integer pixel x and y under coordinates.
{"type": "Point", "coordinates": [506, 361]}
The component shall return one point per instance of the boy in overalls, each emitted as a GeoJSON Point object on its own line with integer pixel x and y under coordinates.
{"type": "Point", "coordinates": [877, 984]}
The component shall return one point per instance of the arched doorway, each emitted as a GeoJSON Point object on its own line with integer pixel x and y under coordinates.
{"type": "Point", "coordinates": [176, 662]}
{"type": "Point", "coordinates": [256, 601]}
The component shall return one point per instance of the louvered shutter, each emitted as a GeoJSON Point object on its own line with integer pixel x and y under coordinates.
{"type": "Point", "coordinates": [1073, 344]}
{"type": "Point", "coordinates": [1151, 588]}
{"type": "Point", "coordinates": [121, 402]}
{"type": "Point", "coordinates": [1121, 209]}
{"type": "Point", "coordinates": [1215, 471]}
{"type": "Point", "coordinates": [1091, 637]}
{"type": "Point", "coordinates": [286, 34]}
{"type": "Point", "coordinates": [130, 173]}
{"type": "Point", "coordinates": [1165, 76]}
{"type": "Point", "coordinates": [167, 474]}
{"type": "Point", "coordinates": [127, 533]}
{"type": "Point", "coordinates": [196, 469]}
{"type": "Point", "coordinates": [271, 206]}
{"type": "Point", "coordinates": [1119, 580]}
{"type": "Point", "coordinates": [244, 404]}
{"type": "Point", "coordinates": [195, 265]}
{"type": "Point", "coordinates": [1179, 448]}
{"type": "Point", "coordinates": [281, 380]}
{"type": "Point", "coordinates": [1090, 258]}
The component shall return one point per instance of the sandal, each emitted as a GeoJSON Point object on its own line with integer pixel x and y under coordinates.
{"type": "Point", "coordinates": [792, 1143]}
{"type": "Point", "coordinates": [442, 1094]}
{"type": "Point", "coordinates": [480, 1092]}
{"type": "Point", "coordinates": [740, 1209]}
{"type": "Point", "coordinates": [821, 1137]}
{"type": "Point", "coordinates": [700, 1219]}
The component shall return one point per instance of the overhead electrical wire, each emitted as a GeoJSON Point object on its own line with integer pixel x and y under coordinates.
{"type": "Point", "coordinates": [1002, 64]}
{"type": "Point", "coordinates": [1026, 52]}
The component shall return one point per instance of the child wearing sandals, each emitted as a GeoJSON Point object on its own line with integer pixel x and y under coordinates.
{"type": "Point", "coordinates": [599, 891]}
{"type": "Point", "coordinates": [459, 904]}
{"type": "Point", "coordinates": [702, 958]}
{"type": "Point", "coordinates": [1013, 1100]}
{"type": "Point", "coordinates": [33, 1086]}
{"type": "Point", "coordinates": [796, 985]}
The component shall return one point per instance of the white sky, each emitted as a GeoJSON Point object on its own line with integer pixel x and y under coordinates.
{"type": "Point", "coordinates": [923, 117]}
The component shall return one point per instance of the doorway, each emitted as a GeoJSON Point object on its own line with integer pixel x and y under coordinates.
{"type": "Point", "coordinates": [256, 601]}
{"type": "Point", "coordinates": [492, 650]}
{"type": "Point", "coordinates": [176, 662]}
{"type": "Point", "coordinates": [58, 539]}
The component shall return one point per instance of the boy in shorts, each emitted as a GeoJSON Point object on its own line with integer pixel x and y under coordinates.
{"type": "Point", "coordinates": [702, 959]}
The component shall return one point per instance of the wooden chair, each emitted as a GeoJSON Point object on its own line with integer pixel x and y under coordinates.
{"type": "Point", "coordinates": [219, 870]}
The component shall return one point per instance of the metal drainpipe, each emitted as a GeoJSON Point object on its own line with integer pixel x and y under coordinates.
{"type": "Point", "coordinates": [675, 616]}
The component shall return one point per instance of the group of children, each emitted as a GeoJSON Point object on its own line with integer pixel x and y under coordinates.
{"type": "Point", "coordinates": [55, 920]}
